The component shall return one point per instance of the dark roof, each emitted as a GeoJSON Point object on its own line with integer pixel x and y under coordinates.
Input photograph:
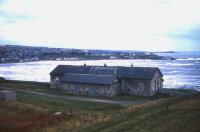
{"type": "Point", "coordinates": [118, 71]}
{"type": "Point", "coordinates": [62, 69]}
{"type": "Point", "coordinates": [137, 72]}
{"type": "Point", "coordinates": [103, 70]}
{"type": "Point", "coordinates": [98, 70]}
{"type": "Point", "coordinates": [88, 79]}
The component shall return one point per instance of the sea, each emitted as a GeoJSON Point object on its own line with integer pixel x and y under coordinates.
{"type": "Point", "coordinates": [184, 72]}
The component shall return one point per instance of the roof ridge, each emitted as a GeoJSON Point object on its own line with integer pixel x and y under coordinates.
{"type": "Point", "coordinates": [138, 72]}
{"type": "Point", "coordinates": [86, 74]}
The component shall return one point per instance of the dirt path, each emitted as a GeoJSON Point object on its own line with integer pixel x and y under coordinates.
{"type": "Point", "coordinates": [87, 99]}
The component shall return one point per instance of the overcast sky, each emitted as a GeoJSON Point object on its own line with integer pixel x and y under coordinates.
{"type": "Point", "coordinates": [102, 24]}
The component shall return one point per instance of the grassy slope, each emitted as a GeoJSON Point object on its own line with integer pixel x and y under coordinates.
{"type": "Point", "coordinates": [182, 114]}
{"type": "Point", "coordinates": [57, 104]}
{"type": "Point", "coordinates": [33, 113]}
{"type": "Point", "coordinates": [29, 86]}
{"type": "Point", "coordinates": [46, 88]}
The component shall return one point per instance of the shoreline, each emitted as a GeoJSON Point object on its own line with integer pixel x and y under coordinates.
{"type": "Point", "coordinates": [16, 53]}
{"type": "Point", "coordinates": [91, 60]}
{"type": "Point", "coordinates": [177, 74]}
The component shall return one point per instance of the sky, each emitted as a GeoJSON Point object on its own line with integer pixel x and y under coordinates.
{"type": "Point", "coordinates": [151, 25]}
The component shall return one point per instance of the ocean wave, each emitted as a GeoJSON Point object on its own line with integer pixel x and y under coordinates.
{"type": "Point", "coordinates": [176, 73]}
{"type": "Point", "coordinates": [188, 59]}
{"type": "Point", "coordinates": [179, 64]}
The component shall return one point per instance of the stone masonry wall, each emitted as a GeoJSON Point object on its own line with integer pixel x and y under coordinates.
{"type": "Point", "coordinates": [156, 83]}
{"type": "Point", "coordinates": [89, 89]}
{"type": "Point", "coordinates": [135, 87]}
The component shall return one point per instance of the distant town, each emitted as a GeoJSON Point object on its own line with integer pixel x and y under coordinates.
{"type": "Point", "coordinates": [15, 54]}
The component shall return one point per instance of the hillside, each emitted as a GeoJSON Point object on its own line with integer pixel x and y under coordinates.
{"type": "Point", "coordinates": [41, 113]}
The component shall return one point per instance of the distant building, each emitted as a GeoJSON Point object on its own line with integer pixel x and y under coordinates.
{"type": "Point", "coordinates": [113, 57]}
{"type": "Point", "coordinates": [7, 95]}
{"type": "Point", "coordinates": [107, 80]}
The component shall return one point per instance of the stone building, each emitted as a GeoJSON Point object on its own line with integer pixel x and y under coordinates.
{"type": "Point", "coordinates": [107, 80]}
{"type": "Point", "coordinates": [7, 95]}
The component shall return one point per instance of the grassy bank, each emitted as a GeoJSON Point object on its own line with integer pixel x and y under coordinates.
{"type": "Point", "coordinates": [37, 113]}
{"type": "Point", "coordinates": [167, 115]}
{"type": "Point", "coordinates": [45, 87]}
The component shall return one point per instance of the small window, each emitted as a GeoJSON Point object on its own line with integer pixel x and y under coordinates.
{"type": "Point", "coordinates": [155, 86]}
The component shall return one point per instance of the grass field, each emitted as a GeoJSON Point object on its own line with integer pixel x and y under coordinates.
{"type": "Point", "coordinates": [33, 113]}
{"type": "Point", "coordinates": [45, 87]}
{"type": "Point", "coordinates": [37, 113]}
{"type": "Point", "coordinates": [168, 115]}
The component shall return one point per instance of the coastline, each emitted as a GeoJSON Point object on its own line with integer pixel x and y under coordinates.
{"type": "Point", "coordinates": [15, 54]}
{"type": "Point", "coordinates": [92, 59]}
{"type": "Point", "coordinates": [177, 73]}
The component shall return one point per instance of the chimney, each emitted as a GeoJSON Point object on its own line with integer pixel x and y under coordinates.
{"type": "Point", "coordinates": [84, 65]}
{"type": "Point", "coordinates": [105, 65]}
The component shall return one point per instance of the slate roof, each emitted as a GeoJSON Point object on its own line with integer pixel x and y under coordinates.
{"type": "Point", "coordinates": [102, 74]}
{"type": "Point", "coordinates": [137, 72]}
{"type": "Point", "coordinates": [62, 69]}
{"type": "Point", "coordinates": [97, 70]}
{"type": "Point", "coordinates": [102, 70]}
{"type": "Point", "coordinates": [88, 79]}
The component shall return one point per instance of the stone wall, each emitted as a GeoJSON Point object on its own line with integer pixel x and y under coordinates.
{"type": "Point", "coordinates": [90, 89]}
{"type": "Point", "coordinates": [55, 81]}
{"type": "Point", "coordinates": [135, 87]}
{"type": "Point", "coordinates": [156, 83]}
{"type": "Point", "coordinates": [123, 86]}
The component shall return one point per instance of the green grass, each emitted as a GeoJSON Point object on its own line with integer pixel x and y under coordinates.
{"type": "Point", "coordinates": [128, 98]}
{"type": "Point", "coordinates": [157, 113]}
{"type": "Point", "coordinates": [35, 112]}
{"type": "Point", "coordinates": [156, 117]}
{"type": "Point", "coordinates": [57, 104]}
{"type": "Point", "coordinates": [183, 90]}
{"type": "Point", "coordinates": [41, 87]}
